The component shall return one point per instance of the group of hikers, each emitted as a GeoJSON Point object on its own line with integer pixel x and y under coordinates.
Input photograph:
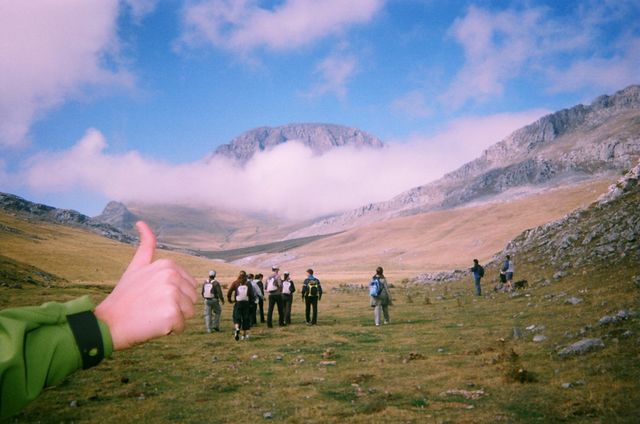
{"type": "Point", "coordinates": [247, 294]}
{"type": "Point", "coordinates": [506, 274]}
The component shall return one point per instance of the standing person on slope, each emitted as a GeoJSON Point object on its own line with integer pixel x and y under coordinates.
{"type": "Point", "coordinates": [380, 296]}
{"type": "Point", "coordinates": [311, 293]}
{"type": "Point", "coordinates": [241, 292]}
{"type": "Point", "coordinates": [212, 294]}
{"type": "Point", "coordinates": [478, 272]}
{"type": "Point", "coordinates": [288, 289]}
{"type": "Point", "coordinates": [274, 288]}
{"type": "Point", "coordinates": [508, 268]}
{"type": "Point", "coordinates": [257, 291]}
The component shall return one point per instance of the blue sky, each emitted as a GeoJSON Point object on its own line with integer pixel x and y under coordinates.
{"type": "Point", "coordinates": [122, 99]}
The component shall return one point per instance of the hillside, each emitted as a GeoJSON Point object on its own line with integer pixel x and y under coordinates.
{"type": "Point", "coordinates": [584, 142]}
{"type": "Point", "coordinates": [431, 241]}
{"type": "Point", "coordinates": [56, 254]}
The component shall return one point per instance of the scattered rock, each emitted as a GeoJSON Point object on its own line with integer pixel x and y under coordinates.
{"type": "Point", "coordinates": [124, 380]}
{"type": "Point", "coordinates": [279, 358]}
{"type": "Point", "coordinates": [327, 363]}
{"type": "Point", "coordinates": [254, 357]}
{"type": "Point", "coordinates": [573, 301]}
{"type": "Point", "coordinates": [559, 275]}
{"type": "Point", "coordinates": [581, 347]}
{"type": "Point", "coordinates": [267, 415]}
{"type": "Point", "coordinates": [328, 353]}
{"type": "Point", "coordinates": [467, 394]}
{"type": "Point", "coordinates": [539, 338]}
{"type": "Point", "coordinates": [73, 404]}
{"type": "Point", "coordinates": [566, 385]}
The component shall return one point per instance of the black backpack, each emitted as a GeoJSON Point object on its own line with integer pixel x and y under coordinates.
{"type": "Point", "coordinates": [313, 288]}
{"type": "Point", "coordinates": [480, 271]}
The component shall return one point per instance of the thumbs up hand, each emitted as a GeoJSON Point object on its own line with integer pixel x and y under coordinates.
{"type": "Point", "coordinates": [151, 299]}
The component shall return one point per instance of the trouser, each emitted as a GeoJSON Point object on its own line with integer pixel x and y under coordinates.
{"type": "Point", "coordinates": [253, 308]}
{"type": "Point", "coordinates": [242, 314]}
{"type": "Point", "coordinates": [478, 289]}
{"type": "Point", "coordinates": [381, 308]}
{"type": "Point", "coordinates": [261, 308]}
{"type": "Point", "coordinates": [212, 311]}
{"type": "Point", "coordinates": [311, 302]}
{"type": "Point", "coordinates": [275, 299]}
{"type": "Point", "coordinates": [287, 301]}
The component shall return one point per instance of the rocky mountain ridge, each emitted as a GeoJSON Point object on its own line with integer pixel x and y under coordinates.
{"type": "Point", "coordinates": [26, 209]}
{"type": "Point", "coordinates": [569, 145]}
{"type": "Point", "coordinates": [320, 138]}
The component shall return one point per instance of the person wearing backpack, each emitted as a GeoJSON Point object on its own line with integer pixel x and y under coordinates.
{"type": "Point", "coordinates": [257, 291]}
{"type": "Point", "coordinates": [380, 296]}
{"type": "Point", "coordinates": [478, 272]}
{"type": "Point", "coordinates": [311, 293]}
{"type": "Point", "coordinates": [288, 289]}
{"type": "Point", "coordinates": [507, 270]}
{"type": "Point", "coordinates": [274, 288]}
{"type": "Point", "coordinates": [260, 286]}
{"type": "Point", "coordinates": [241, 295]}
{"type": "Point", "coordinates": [212, 295]}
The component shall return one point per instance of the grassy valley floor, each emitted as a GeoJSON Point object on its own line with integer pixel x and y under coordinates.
{"type": "Point", "coordinates": [447, 356]}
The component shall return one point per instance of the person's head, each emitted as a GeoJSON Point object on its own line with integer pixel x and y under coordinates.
{"type": "Point", "coordinates": [212, 274]}
{"type": "Point", "coordinates": [475, 261]}
{"type": "Point", "coordinates": [249, 276]}
{"type": "Point", "coordinates": [379, 271]}
{"type": "Point", "coordinates": [259, 276]}
{"type": "Point", "coordinates": [310, 272]}
{"type": "Point", "coordinates": [508, 257]}
{"type": "Point", "coordinates": [286, 275]}
{"type": "Point", "coordinates": [242, 276]}
{"type": "Point", "coordinates": [275, 269]}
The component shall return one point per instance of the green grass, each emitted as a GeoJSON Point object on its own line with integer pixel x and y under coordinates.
{"type": "Point", "coordinates": [394, 373]}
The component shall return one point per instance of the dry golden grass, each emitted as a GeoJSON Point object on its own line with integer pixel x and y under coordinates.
{"type": "Point", "coordinates": [80, 256]}
{"type": "Point", "coordinates": [433, 241]}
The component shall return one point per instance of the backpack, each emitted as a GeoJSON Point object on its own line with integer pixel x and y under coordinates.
{"type": "Point", "coordinates": [480, 271]}
{"type": "Point", "coordinates": [286, 287]}
{"type": "Point", "coordinates": [208, 290]}
{"type": "Point", "coordinates": [375, 287]}
{"type": "Point", "coordinates": [271, 284]}
{"type": "Point", "coordinates": [242, 293]}
{"type": "Point", "coordinates": [313, 288]}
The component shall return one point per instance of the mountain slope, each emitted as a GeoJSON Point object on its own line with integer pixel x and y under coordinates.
{"type": "Point", "coordinates": [567, 146]}
{"type": "Point", "coordinates": [320, 138]}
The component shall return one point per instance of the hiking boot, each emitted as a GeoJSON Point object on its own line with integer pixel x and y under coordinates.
{"type": "Point", "coordinates": [236, 335]}
{"type": "Point", "coordinates": [216, 329]}
{"type": "Point", "coordinates": [386, 322]}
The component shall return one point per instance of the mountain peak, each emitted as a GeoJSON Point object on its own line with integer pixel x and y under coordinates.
{"type": "Point", "coordinates": [320, 138]}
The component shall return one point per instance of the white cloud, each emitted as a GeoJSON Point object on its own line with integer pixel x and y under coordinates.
{"type": "Point", "coordinates": [334, 71]}
{"type": "Point", "coordinates": [243, 25]}
{"type": "Point", "coordinates": [288, 180]}
{"type": "Point", "coordinates": [594, 47]}
{"type": "Point", "coordinates": [49, 51]}
{"type": "Point", "coordinates": [141, 8]}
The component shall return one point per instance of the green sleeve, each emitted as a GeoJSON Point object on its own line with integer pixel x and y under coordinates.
{"type": "Point", "coordinates": [37, 349]}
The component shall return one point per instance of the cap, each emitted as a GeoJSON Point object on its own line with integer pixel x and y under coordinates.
{"type": "Point", "coordinates": [275, 267]}
{"type": "Point", "coordinates": [212, 273]}
{"type": "Point", "coordinates": [286, 273]}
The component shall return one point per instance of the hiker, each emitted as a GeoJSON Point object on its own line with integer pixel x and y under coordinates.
{"type": "Point", "coordinates": [274, 288]}
{"type": "Point", "coordinates": [311, 293]}
{"type": "Point", "coordinates": [240, 293]}
{"type": "Point", "coordinates": [507, 270]}
{"type": "Point", "coordinates": [41, 345]}
{"type": "Point", "coordinates": [260, 285]}
{"type": "Point", "coordinates": [212, 295]}
{"type": "Point", "coordinates": [288, 289]}
{"type": "Point", "coordinates": [258, 294]}
{"type": "Point", "coordinates": [382, 301]}
{"type": "Point", "coordinates": [478, 272]}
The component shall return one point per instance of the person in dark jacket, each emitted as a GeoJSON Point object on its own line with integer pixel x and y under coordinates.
{"type": "Point", "coordinates": [288, 289]}
{"type": "Point", "coordinates": [260, 285]}
{"type": "Point", "coordinates": [274, 290]}
{"type": "Point", "coordinates": [241, 295]}
{"type": "Point", "coordinates": [477, 272]}
{"type": "Point", "coordinates": [311, 293]}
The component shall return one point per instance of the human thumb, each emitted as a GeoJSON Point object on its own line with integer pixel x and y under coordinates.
{"type": "Point", "coordinates": [146, 249]}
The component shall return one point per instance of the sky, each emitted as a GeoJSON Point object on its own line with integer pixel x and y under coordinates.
{"type": "Point", "coordinates": [122, 100]}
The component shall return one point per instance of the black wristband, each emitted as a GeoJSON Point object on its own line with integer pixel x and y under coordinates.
{"type": "Point", "coordinates": [85, 329]}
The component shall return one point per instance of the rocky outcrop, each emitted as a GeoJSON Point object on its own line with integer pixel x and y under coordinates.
{"type": "Point", "coordinates": [574, 144]}
{"type": "Point", "coordinates": [608, 230]}
{"type": "Point", "coordinates": [320, 138]}
{"type": "Point", "coordinates": [117, 215]}
{"type": "Point", "coordinates": [25, 209]}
